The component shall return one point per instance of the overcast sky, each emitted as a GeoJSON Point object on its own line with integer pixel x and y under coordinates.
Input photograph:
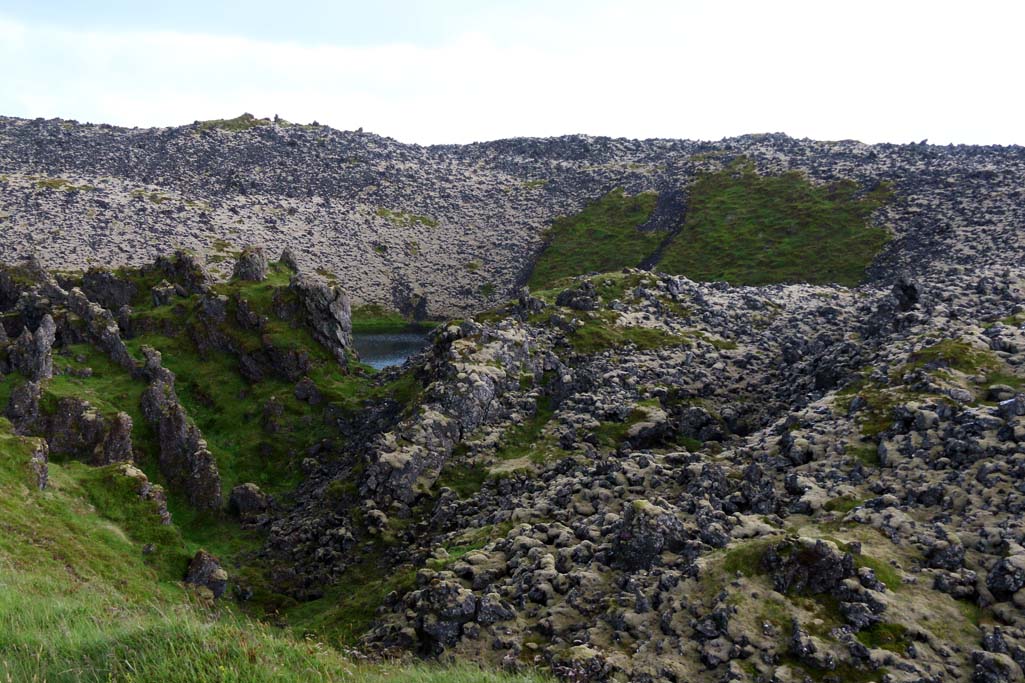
{"type": "Point", "coordinates": [460, 70]}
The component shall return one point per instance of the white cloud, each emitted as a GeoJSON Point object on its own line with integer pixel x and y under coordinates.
{"type": "Point", "coordinates": [874, 71]}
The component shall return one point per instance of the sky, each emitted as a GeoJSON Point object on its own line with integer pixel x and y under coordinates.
{"type": "Point", "coordinates": [457, 71]}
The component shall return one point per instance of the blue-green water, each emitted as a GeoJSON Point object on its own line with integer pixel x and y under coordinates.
{"type": "Point", "coordinates": [381, 349]}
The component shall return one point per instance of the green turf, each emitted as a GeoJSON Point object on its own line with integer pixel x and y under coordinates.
{"type": "Point", "coordinates": [602, 237]}
{"type": "Point", "coordinates": [752, 229]}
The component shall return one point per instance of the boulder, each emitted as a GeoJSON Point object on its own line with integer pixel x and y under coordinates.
{"type": "Point", "coordinates": [163, 293]}
{"type": "Point", "coordinates": [75, 429]}
{"type": "Point", "coordinates": [23, 407]}
{"type": "Point", "coordinates": [806, 565]}
{"type": "Point", "coordinates": [1007, 576]}
{"type": "Point", "coordinates": [38, 464]}
{"type": "Point", "coordinates": [251, 265]}
{"type": "Point", "coordinates": [205, 570]}
{"type": "Point", "coordinates": [248, 502]}
{"type": "Point", "coordinates": [582, 298]}
{"type": "Point", "coordinates": [287, 259]}
{"type": "Point", "coordinates": [442, 608]}
{"type": "Point", "coordinates": [644, 532]}
{"type": "Point", "coordinates": [107, 289]}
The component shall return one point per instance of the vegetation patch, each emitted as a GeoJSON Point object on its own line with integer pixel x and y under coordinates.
{"type": "Point", "coordinates": [750, 229]}
{"type": "Point", "coordinates": [892, 637]}
{"type": "Point", "coordinates": [62, 184]}
{"type": "Point", "coordinates": [406, 220]}
{"type": "Point", "coordinates": [949, 353]}
{"type": "Point", "coordinates": [605, 236]}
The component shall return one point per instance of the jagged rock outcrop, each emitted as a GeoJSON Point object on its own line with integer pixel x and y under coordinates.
{"type": "Point", "coordinates": [31, 354]}
{"type": "Point", "coordinates": [107, 289]}
{"type": "Point", "coordinates": [39, 465]}
{"type": "Point", "coordinates": [327, 311]}
{"type": "Point", "coordinates": [22, 407]}
{"type": "Point", "coordinates": [75, 429]}
{"type": "Point", "coordinates": [183, 457]}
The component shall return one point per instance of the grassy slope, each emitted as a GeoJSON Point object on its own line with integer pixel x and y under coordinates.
{"type": "Point", "coordinates": [80, 601]}
{"type": "Point", "coordinates": [602, 237]}
{"type": "Point", "coordinates": [741, 227]}
{"type": "Point", "coordinates": [750, 229]}
{"type": "Point", "coordinates": [229, 411]}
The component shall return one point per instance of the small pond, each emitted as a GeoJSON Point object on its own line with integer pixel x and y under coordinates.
{"type": "Point", "coordinates": [381, 349]}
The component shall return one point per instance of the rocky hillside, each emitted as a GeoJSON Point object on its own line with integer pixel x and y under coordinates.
{"type": "Point", "coordinates": [444, 230]}
{"type": "Point", "coordinates": [626, 475]}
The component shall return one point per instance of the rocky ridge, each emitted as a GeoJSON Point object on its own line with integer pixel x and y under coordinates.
{"type": "Point", "coordinates": [394, 222]}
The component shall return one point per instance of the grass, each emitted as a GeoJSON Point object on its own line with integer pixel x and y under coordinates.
{"type": "Point", "coordinates": [740, 227]}
{"type": "Point", "coordinates": [522, 441]}
{"type": "Point", "coordinates": [62, 184]}
{"type": "Point", "coordinates": [892, 637]}
{"type": "Point", "coordinates": [843, 504]}
{"type": "Point", "coordinates": [602, 237]}
{"type": "Point", "coordinates": [80, 602]}
{"type": "Point", "coordinates": [349, 605]}
{"type": "Point", "coordinates": [750, 229]}
{"type": "Point", "coordinates": [599, 331]}
{"type": "Point", "coordinates": [953, 354]}
{"type": "Point", "coordinates": [463, 478]}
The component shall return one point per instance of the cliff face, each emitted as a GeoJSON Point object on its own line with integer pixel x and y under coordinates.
{"type": "Point", "coordinates": [443, 230]}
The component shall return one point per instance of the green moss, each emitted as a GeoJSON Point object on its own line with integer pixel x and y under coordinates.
{"type": "Point", "coordinates": [522, 440]}
{"type": "Point", "coordinates": [465, 479]}
{"type": "Point", "coordinates": [892, 637]}
{"type": "Point", "coordinates": [602, 237]}
{"type": "Point", "coordinates": [600, 333]}
{"type": "Point", "coordinates": [883, 571]}
{"type": "Point", "coordinates": [868, 455]}
{"type": "Point", "coordinates": [750, 229]}
{"type": "Point", "coordinates": [61, 184]}
{"type": "Point", "coordinates": [843, 504]}
{"type": "Point", "coordinates": [953, 354]}
{"type": "Point", "coordinates": [746, 558]}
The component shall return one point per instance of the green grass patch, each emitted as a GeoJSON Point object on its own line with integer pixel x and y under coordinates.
{"type": "Point", "coordinates": [602, 237]}
{"type": "Point", "coordinates": [746, 559]}
{"type": "Point", "coordinates": [463, 478]}
{"type": "Point", "coordinates": [600, 332]}
{"type": "Point", "coordinates": [883, 571]}
{"type": "Point", "coordinates": [953, 354]}
{"type": "Point", "coordinates": [348, 607]}
{"type": "Point", "coordinates": [843, 504]}
{"type": "Point", "coordinates": [750, 229]}
{"type": "Point", "coordinates": [523, 440]}
{"type": "Point", "coordinates": [372, 319]}
{"type": "Point", "coordinates": [892, 637]}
